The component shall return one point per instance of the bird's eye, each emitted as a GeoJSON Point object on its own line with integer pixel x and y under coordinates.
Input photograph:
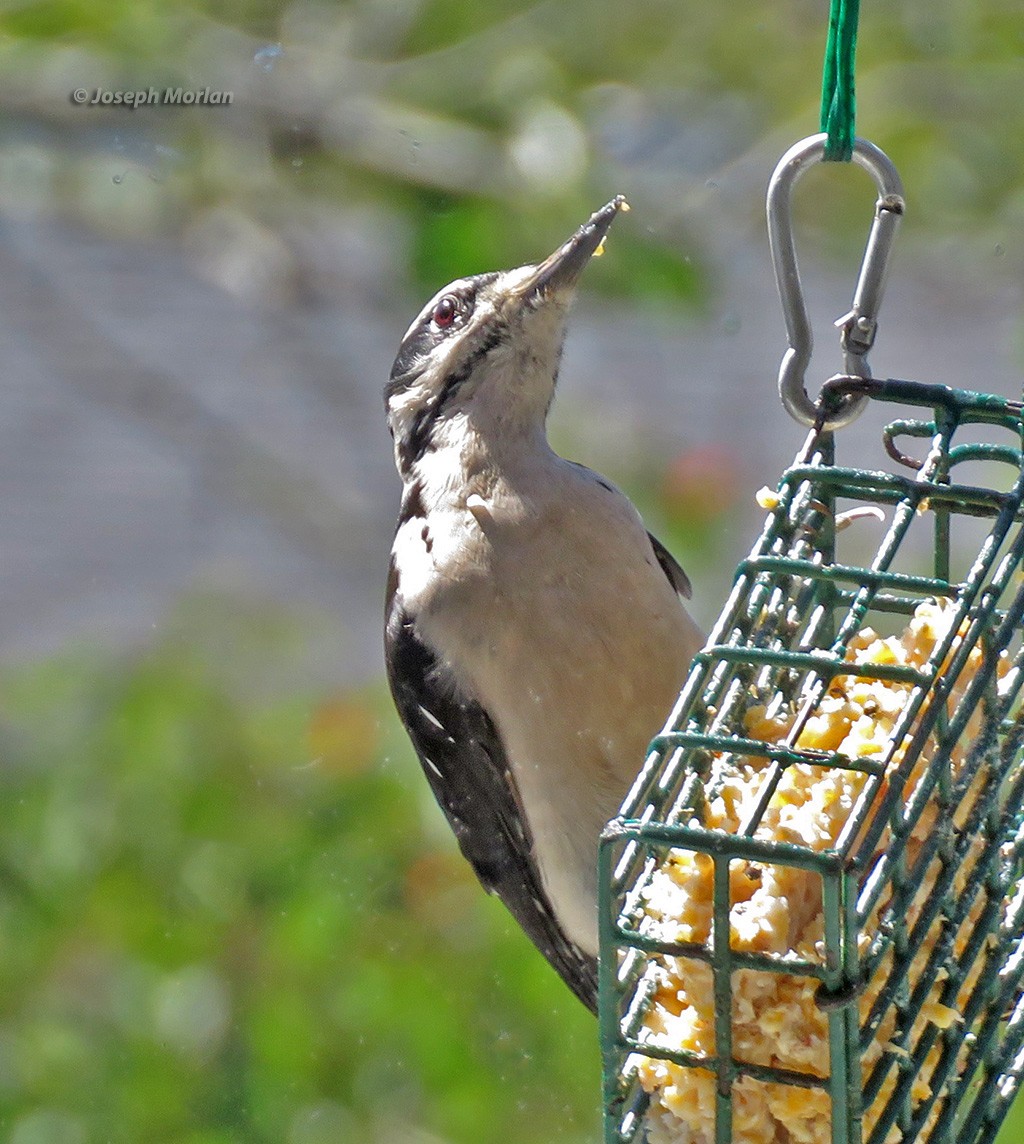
{"type": "Point", "coordinates": [445, 311]}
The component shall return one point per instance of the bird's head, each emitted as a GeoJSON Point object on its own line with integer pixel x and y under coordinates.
{"type": "Point", "coordinates": [482, 356]}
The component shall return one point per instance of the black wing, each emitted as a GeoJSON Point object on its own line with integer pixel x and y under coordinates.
{"type": "Point", "coordinates": [465, 763]}
{"type": "Point", "coordinates": [670, 566]}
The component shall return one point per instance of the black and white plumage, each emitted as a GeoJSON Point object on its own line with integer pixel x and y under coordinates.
{"type": "Point", "coordinates": [535, 636]}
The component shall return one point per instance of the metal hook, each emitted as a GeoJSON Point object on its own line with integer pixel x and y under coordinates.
{"type": "Point", "coordinates": [860, 324]}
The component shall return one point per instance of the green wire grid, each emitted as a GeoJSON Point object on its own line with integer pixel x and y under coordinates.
{"type": "Point", "coordinates": [785, 631]}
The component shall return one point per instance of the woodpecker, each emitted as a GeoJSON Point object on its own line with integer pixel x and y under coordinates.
{"type": "Point", "coordinates": [535, 634]}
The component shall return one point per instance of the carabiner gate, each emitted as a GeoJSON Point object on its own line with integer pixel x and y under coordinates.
{"type": "Point", "coordinates": [858, 327]}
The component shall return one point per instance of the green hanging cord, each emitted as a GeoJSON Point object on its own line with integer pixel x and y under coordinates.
{"type": "Point", "coordinates": [838, 100]}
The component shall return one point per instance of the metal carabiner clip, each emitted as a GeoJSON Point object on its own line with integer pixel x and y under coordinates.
{"type": "Point", "coordinates": [858, 327]}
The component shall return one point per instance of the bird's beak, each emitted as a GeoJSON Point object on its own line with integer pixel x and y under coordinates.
{"type": "Point", "coordinates": [561, 270]}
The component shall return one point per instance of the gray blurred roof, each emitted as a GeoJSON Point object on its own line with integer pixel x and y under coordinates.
{"type": "Point", "coordinates": [163, 438]}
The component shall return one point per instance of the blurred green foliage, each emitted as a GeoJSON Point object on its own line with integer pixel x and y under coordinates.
{"type": "Point", "coordinates": [232, 922]}
{"type": "Point", "coordinates": [518, 120]}
{"type": "Point", "coordinates": [222, 921]}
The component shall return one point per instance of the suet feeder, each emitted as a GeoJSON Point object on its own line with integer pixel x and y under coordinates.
{"type": "Point", "coordinates": [899, 973]}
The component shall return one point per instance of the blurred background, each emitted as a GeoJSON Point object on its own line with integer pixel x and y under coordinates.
{"type": "Point", "coordinates": [229, 911]}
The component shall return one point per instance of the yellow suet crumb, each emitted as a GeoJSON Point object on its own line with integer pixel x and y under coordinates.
{"type": "Point", "coordinates": [777, 910]}
{"type": "Point", "coordinates": [767, 498]}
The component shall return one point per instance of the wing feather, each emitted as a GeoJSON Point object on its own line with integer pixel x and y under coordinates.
{"type": "Point", "coordinates": [465, 763]}
{"type": "Point", "coordinates": [671, 567]}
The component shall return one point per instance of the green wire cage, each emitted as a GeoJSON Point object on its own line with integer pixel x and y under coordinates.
{"type": "Point", "coordinates": [812, 900]}
{"type": "Point", "coordinates": [915, 974]}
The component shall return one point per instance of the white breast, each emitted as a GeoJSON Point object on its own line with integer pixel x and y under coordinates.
{"type": "Point", "coordinates": [546, 600]}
